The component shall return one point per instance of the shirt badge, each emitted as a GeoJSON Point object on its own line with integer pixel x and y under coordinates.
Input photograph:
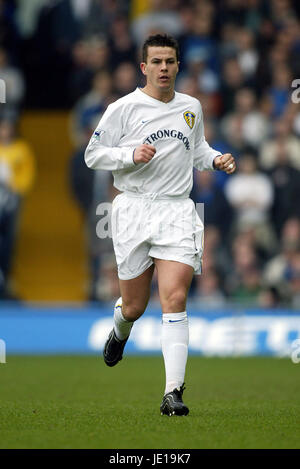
{"type": "Point", "coordinates": [189, 118]}
{"type": "Point", "coordinates": [97, 135]}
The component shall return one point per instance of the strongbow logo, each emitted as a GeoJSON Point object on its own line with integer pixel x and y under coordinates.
{"type": "Point", "coordinates": [167, 133]}
{"type": "Point", "coordinates": [189, 118]}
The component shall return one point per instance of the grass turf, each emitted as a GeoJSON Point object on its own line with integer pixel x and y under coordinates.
{"type": "Point", "coordinates": [78, 402]}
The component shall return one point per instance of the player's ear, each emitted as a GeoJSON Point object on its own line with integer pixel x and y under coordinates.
{"type": "Point", "coordinates": [143, 68]}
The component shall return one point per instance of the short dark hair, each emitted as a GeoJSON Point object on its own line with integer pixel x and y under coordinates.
{"type": "Point", "coordinates": [160, 40]}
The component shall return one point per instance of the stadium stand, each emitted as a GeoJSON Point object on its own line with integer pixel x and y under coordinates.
{"type": "Point", "coordinates": [71, 59]}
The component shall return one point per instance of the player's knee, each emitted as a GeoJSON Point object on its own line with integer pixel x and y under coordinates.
{"type": "Point", "coordinates": [133, 311]}
{"type": "Point", "coordinates": [175, 302]}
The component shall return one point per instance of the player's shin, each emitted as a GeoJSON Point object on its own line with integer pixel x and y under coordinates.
{"type": "Point", "coordinates": [122, 327]}
{"type": "Point", "coordinates": [174, 340]}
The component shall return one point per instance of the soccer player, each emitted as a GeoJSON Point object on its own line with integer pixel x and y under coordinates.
{"type": "Point", "coordinates": [151, 140]}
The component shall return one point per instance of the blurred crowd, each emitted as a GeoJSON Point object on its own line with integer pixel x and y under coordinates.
{"type": "Point", "coordinates": [241, 60]}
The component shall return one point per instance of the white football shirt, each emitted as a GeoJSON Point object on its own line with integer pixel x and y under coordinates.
{"type": "Point", "coordinates": [174, 128]}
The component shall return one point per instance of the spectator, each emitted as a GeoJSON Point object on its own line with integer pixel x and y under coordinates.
{"type": "Point", "coordinates": [215, 140]}
{"type": "Point", "coordinates": [232, 80]}
{"type": "Point", "coordinates": [249, 192]}
{"type": "Point", "coordinates": [269, 298]}
{"type": "Point", "coordinates": [248, 291]}
{"type": "Point", "coordinates": [282, 141]}
{"type": "Point", "coordinates": [89, 108]}
{"type": "Point", "coordinates": [274, 274]}
{"type": "Point", "coordinates": [208, 291]}
{"type": "Point", "coordinates": [27, 15]}
{"type": "Point", "coordinates": [232, 11]}
{"type": "Point", "coordinates": [251, 195]}
{"type": "Point", "coordinates": [9, 34]}
{"type": "Point", "coordinates": [15, 87]}
{"type": "Point", "coordinates": [16, 178]}
{"type": "Point", "coordinates": [216, 257]}
{"type": "Point", "coordinates": [247, 55]}
{"type": "Point", "coordinates": [217, 210]}
{"type": "Point", "coordinates": [196, 66]}
{"type": "Point", "coordinates": [296, 123]}
{"type": "Point", "coordinates": [82, 181]}
{"type": "Point", "coordinates": [292, 275]}
{"type": "Point", "coordinates": [286, 182]}
{"type": "Point", "coordinates": [199, 41]}
{"type": "Point", "coordinates": [245, 261]}
{"type": "Point", "coordinates": [81, 75]}
{"type": "Point", "coordinates": [100, 248]}
{"type": "Point", "coordinates": [228, 46]}
{"type": "Point", "coordinates": [107, 287]}
{"type": "Point", "coordinates": [187, 13]}
{"type": "Point", "coordinates": [90, 188]}
{"type": "Point", "coordinates": [9, 202]}
{"type": "Point", "coordinates": [255, 14]}
{"type": "Point", "coordinates": [280, 90]}
{"type": "Point", "coordinates": [253, 125]}
{"type": "Point", "coordinates": [125, 78]}
{"type": "Point", "coordinates": [69, 17]}
{"type": "Point", "coordinates": [16, 160]}
{"type": "Point", "coordinates": [159, 19]}
{"type": "Point", "coordinates": [281, 10]}
{"type": "Point", "coordinates": [99, 54]}
{"type": "Point", "coordinates": [121, 43]}
{"type": "Point", "coordinates": [188, 84]}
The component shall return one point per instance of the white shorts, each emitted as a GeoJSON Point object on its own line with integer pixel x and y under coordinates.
{"type": "Point", "coordinates": [143, 229]}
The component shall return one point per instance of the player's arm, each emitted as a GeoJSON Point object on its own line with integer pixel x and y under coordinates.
{"type": "Point", "coordinates": [205, 157]}
{"type": "Point", "coordinates": [103, 150]}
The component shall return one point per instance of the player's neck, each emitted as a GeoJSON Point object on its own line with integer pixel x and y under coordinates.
{"type": "Point", "coordinates": [164, 96]}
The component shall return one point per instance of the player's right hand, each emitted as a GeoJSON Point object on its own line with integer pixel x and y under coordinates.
{"type": "Point", "coordinates": [144, 153]}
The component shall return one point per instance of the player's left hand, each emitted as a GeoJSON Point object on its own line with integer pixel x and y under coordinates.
{"type": "Point", "coordinates": [225, 163]}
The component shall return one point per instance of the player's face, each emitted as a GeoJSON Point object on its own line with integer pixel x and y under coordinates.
{"type": "Point", "coordinates": [161, 68]}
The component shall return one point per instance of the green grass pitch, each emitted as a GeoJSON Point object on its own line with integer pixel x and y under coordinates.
{"type": "Point", "coordinates": [78, 402]}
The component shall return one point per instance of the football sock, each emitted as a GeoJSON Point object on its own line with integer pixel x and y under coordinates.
{"type": "Point", "coordinates": [174, 341]}
{"type": "Point", "coordinates": [122, 327]}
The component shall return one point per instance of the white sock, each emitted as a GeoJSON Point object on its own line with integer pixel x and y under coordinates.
{"type": "Point", "coordinates": [174, 341]}
{"type": "Point", "coordinates": [122, 327]}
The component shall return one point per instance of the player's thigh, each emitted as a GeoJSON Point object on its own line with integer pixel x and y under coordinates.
{"type": "Point", "coordinates": [174, 281]}
{"type": "Point", "coordinates": [135, 294]}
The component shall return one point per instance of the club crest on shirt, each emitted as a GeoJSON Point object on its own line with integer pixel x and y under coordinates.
{"type": "Point", "coordinates": [189, 118]}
